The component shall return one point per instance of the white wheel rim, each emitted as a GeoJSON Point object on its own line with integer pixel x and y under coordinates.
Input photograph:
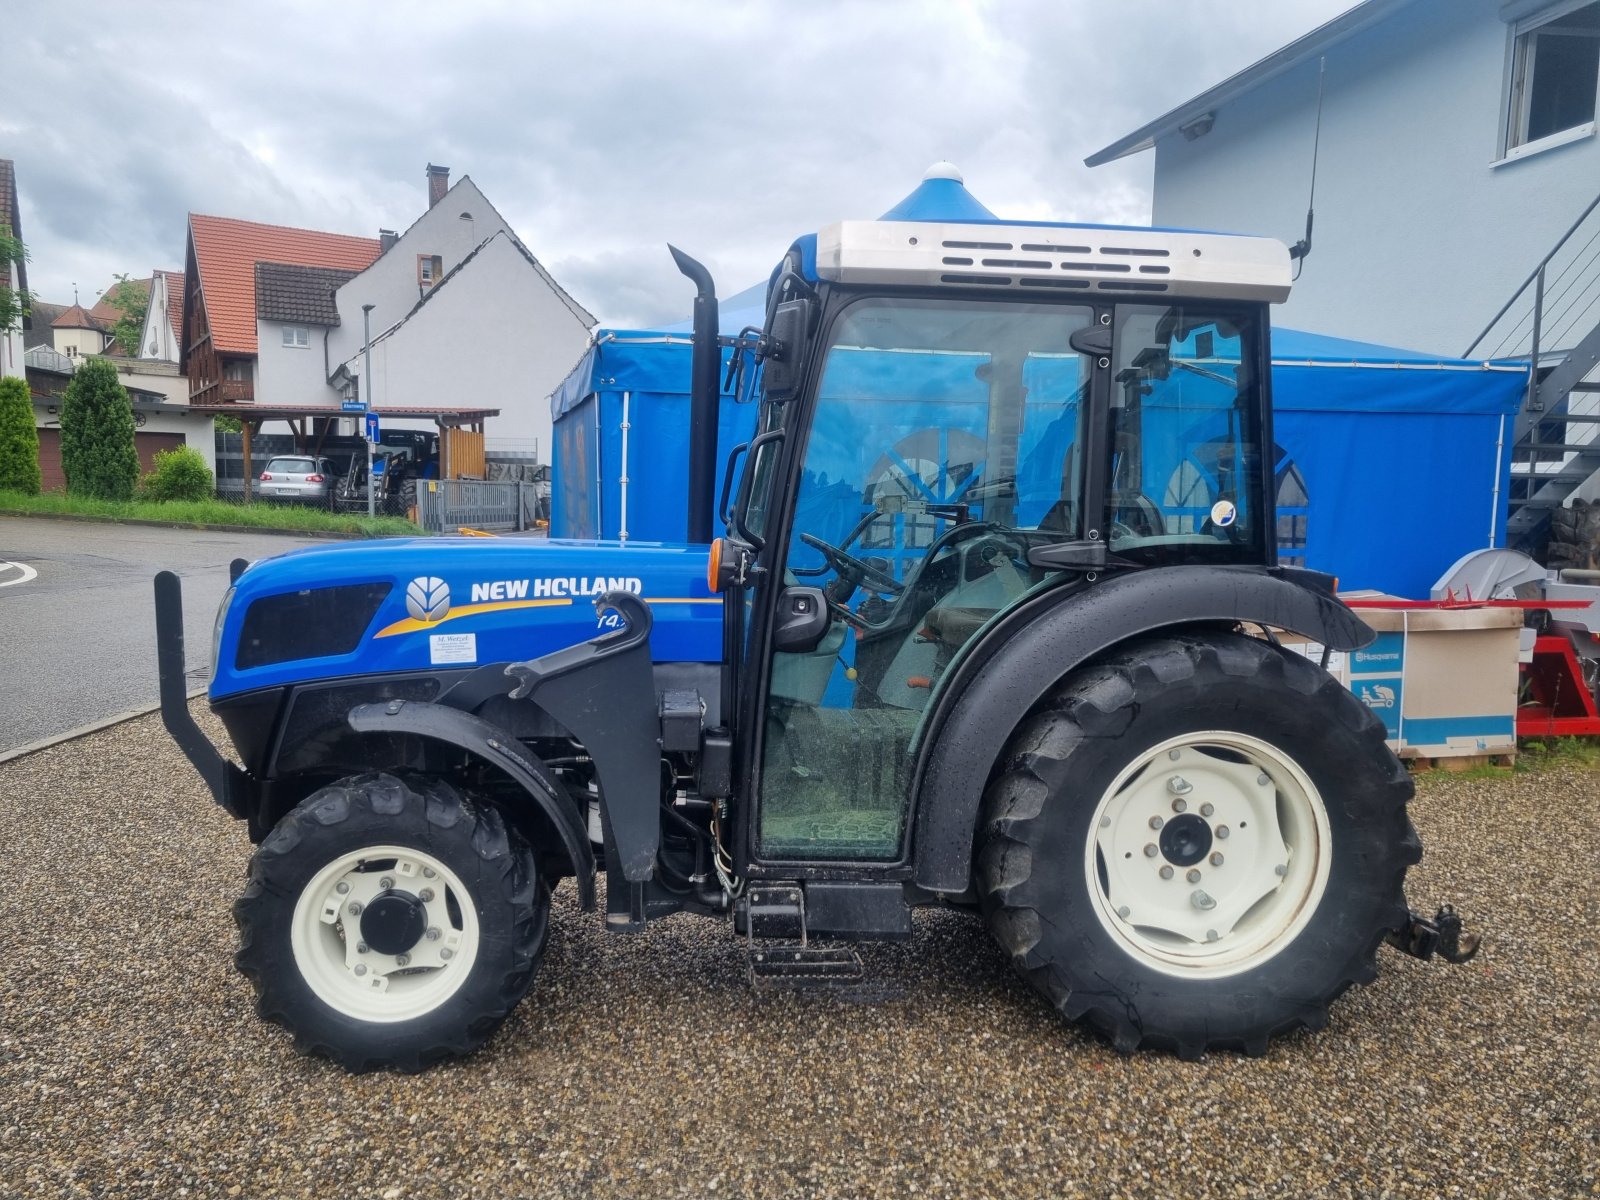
{"type": "Point", "coordinates": [325, 935]}
{"type": "Point", "coordinates": [1262, 830]}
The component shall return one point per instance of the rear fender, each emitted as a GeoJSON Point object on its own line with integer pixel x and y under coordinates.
{"type": "Point", "coordinates": [994, 684]}
{"type": "Point", "coordinates": [500, 750]}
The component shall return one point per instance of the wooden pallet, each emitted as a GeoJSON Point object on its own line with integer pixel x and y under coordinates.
{"type": "Point", "coordinates": [1457, 763]}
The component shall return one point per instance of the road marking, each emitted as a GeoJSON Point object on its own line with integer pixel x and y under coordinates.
{"type": "Point", "coordinates": [25, 573]}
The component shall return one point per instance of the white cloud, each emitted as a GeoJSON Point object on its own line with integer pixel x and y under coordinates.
{"type": "Point", "coordinates": [601, 131]}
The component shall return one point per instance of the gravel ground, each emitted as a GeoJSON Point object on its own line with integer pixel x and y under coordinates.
{"type": "Point", "coordinates": [131, 1063]}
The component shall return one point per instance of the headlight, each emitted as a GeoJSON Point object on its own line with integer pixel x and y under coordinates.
{"type": "Point", "coordinates": [216, 629]}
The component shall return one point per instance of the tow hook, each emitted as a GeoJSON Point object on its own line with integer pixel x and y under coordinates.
{"type": "Point", "coordinates": [1423, 938]}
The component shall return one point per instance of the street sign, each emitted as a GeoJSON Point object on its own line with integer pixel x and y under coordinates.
{"type": "Point", "coordinates": [372, 427]}
{"type": "Point", "coordinates": [353, 405]}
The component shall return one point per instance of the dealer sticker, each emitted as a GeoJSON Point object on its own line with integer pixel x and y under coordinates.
{"type": "Point", "coordinates": [1223, 513]}
{"type": "Point", "coordinates": [453, 648]}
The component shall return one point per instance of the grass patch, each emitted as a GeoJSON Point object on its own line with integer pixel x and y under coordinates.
{"type": "Point", "coordinates": [1571, 753]}
{"type": "Point", "coordinates": [294, 518]}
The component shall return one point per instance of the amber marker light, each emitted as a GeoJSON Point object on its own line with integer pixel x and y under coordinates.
{"type": "Point", "coordinates": [714, 567]}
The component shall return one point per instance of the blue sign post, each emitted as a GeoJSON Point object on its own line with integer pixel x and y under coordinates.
{"type": "Point", "coordinates": [372, 427]}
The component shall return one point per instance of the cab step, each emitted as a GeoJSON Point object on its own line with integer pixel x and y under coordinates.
{"type": "Point", "coordinates": [778, 948]}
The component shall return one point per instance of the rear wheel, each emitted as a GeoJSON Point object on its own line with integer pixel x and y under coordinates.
{"type": "Point", "coordinates": [391, 923]}
{"type": "Point", "coordinates": [1198, 842]}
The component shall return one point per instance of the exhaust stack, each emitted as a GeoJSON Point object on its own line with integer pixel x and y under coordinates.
{"type": "Point", "coordinates": [704, 393]}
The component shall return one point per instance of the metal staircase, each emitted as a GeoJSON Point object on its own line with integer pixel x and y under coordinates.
{"type": "Point", "coordinates": [1553, 321]}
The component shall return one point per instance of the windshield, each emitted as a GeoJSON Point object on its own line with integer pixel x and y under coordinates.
{"type": "Point", "coordinates": [937, 413]}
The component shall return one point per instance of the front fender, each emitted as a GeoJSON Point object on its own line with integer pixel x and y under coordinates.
{"type": "Point", "coordinates": [499, 749]}
{"type": "Point", "coordinates": [995, 683]}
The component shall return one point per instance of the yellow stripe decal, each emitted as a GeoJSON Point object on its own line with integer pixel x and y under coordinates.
{"type": "Point", "coordinates": [412, 625]}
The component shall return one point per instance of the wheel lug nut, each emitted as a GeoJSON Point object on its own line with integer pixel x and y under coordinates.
{"type": "Point", "coordinates": [1156, 822]}
{"type": "Point", "coordinates": [1216, 858]}
{"type": "Point", "coordinates": [402, 960]}
{"type": "Point", "coordinates": [1263, 779]}
{"type": "Point", "coordinates": [386, 883]}
{"type": "Point", "coordinates": [355, 908]}
{"type": "Point", "coordinates": [1166, 872]}
{"type": "Point", "coordinates": [1202, 901]}
{"type": "Point", "coordinates": [1193, 876]}
{"type": "Point", "coordinates": [361, 947]}
{"type": "Point", "coordinates": [1151, 850]}
{"type": "Point", "coordinates": [425, 895]}
{"type": "Point", "coordinates": [1179, 806]}
{"type": "Point", "coordinates": [1222, 831]}
{"type": "Point", "coordinates": [361, 968]}
{"type": "Point", "coordinates": [1179, 786]}
{"type": "Point", "coordinates": [428, 872]}
{"type": "Point", "coordinates": [433, 933]}
{"type": "Point", "coordinates": [341, 887]}
{"type": "Point", "coordinates": [1280, 870]}
{"type": "Point", "coordinates": [1207, 809]}
{"type": "Point", "coordinates": [447, 953]}
{"type": "Point", "coordinates": [1211, 935]}
{"type": "Point", "coordinates": [1173, 755]}
{"type": "Point", "coordinates": [1123, 912]}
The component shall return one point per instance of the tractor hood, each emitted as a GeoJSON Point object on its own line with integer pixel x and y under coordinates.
{"type": "Point", "coordinates": [421, 604]}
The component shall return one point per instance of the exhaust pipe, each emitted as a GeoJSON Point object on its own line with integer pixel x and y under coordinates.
{"type": "Point", "coordinates": [704, 393]}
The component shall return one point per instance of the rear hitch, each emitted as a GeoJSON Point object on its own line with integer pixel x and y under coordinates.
{"type": "Point", "coordinates": [1423, 938]}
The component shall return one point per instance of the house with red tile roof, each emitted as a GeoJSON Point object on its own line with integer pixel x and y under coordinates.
{"type": "Point", "coordinates": [163, 318]}
{"type": "Point", "coordinates": [11, 341]}
{"type": "Point", "coordinates": [218, 345]}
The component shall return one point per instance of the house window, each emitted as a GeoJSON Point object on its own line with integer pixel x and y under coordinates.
{"type": "Point", "coordinates": [429, 268]}
{"type": "Point", "coordinates": [296, 335]}
{"type": "Point", "coordinates": [1555, 73]}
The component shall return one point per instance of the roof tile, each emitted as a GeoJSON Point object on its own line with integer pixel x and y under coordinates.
{"type": "Point", "coordinates": [285, 292]}
{"type": "Point", "coordinates": [226, 252]}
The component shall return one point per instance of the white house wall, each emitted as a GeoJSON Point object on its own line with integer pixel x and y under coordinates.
{"type": "Point", "coordinates": [497, 336]}
{"type": "Point", "coordinates": [291, 374]}
{"type": "Point", "coordinates": [157, 331]}
{"type": "Point", "coordinates": [390, 283]}
{"type": "Point", "coordinates": [1418, 239]}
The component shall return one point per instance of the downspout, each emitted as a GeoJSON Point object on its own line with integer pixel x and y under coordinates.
{"type": "Point", "coordinates": [1494, 503]}
{"type": "Point", "coordinates": [622, 479]}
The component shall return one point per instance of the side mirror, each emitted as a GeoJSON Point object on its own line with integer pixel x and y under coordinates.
{"type": "Point", "coordinates": [786, 339]}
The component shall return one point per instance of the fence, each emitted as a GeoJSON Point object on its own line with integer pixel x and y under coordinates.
{"type": "Point", "coordinates": [494, 506]}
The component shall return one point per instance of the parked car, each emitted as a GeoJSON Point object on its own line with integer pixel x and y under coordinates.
{"type": "Point", "coordinates": [297, 477]}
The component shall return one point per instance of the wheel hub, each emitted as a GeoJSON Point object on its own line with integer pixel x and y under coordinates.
{"type": "Point", "coordinates": [394, 922]}
{"type": "Point", "coordinates": [1185, 840]}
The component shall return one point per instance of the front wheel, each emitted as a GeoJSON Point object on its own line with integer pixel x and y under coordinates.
{"type": "Point", "coordinates": [390, 923]}
{"type": "Point", "coordinates": [1198, 842]}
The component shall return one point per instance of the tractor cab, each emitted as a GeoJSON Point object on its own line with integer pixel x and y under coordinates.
{"type": "Point", "coordinates": [953, 418]}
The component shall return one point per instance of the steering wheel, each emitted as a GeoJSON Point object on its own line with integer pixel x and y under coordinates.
{"type": "Point", "coordinates": [852, 569]}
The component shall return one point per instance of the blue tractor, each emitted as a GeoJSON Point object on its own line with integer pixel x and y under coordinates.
{"type": "Point", "coordinates": [993, 625]}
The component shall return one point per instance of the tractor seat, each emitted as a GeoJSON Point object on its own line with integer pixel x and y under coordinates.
{"type": "Point", "coordinates": [952, 626]}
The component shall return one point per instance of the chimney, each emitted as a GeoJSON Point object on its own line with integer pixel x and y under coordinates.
{"type": "Point", "coordinates": [386, 240]}
{"type": "Point", "coordinates": [438, 183]}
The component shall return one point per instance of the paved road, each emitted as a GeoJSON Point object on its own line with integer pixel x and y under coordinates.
{"type": "Point", "coordinates": [77, 621]}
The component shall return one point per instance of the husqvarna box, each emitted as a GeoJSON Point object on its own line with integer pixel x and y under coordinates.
{"type": "Point", "coordinates": [1443, 681]}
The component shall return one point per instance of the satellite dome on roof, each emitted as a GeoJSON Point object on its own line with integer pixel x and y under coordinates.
{"type": "Point", "coordinates": [941, 196]}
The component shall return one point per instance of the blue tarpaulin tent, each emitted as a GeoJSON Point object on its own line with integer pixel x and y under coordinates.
{"type": "Point", "coordinates": [1391, 464]}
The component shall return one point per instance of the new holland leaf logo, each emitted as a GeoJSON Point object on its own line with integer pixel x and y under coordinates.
{"type": "Point", "coordinates": [427, 598]}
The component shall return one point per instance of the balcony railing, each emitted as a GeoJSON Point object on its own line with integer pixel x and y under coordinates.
{"type": "Point", "coordinates": [236, 391]}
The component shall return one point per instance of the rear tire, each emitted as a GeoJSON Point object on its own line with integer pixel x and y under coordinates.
{"type": "Point", "coordinates": [391, 923]}
{"type": "Point", "coordinates": [1197, 843]}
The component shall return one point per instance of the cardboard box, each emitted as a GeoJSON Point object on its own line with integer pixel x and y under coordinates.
{"type": "Point", "coordinates": [1443, 681]}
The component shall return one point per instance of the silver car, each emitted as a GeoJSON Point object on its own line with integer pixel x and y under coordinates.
{"type": "Point", "coordinates": [297, 477]}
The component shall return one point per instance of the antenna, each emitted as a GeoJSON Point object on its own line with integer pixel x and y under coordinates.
{"type": "Point", "coordinates": [1300, 249]}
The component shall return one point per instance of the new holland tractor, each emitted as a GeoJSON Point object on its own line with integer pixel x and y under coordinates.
{"type": "Point", "coordinates": [993, 625]}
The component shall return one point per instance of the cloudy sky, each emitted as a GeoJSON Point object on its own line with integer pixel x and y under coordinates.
{"type": "Point", "coordinates": [601, 129]}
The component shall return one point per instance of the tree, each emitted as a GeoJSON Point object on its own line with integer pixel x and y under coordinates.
{"type": "Point", "coordinates": [13, 301]}
{"type": "Point", "coordinates": [19, 439]}
{"type": "Point", "coordinates": [180, 474]}
{"type": "Point", "coordinates": [132, 302]}
{"type": "Point", "coordinates": [97, 453]}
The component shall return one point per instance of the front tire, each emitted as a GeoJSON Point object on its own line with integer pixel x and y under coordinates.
{"type": "Point", "coordinates": [390, 923]}
{"type": "Point", "coordinates": [1197, 843]}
